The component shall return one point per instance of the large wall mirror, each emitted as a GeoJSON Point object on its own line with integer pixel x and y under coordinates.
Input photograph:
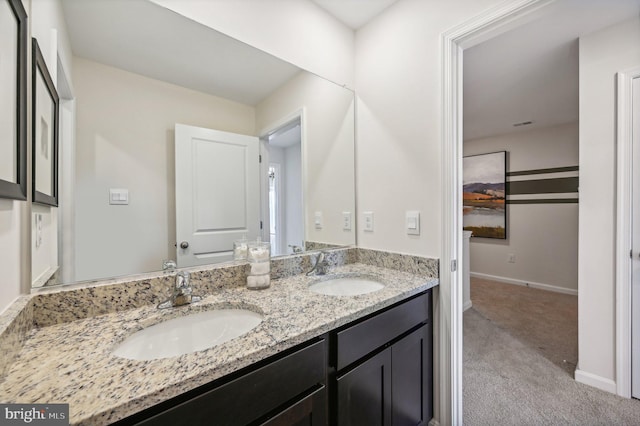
{"type": "Point", "coordinates": [139, 70]}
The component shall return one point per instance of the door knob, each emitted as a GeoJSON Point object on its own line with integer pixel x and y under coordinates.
{"type": "Point", "coordinates": [184, 245]}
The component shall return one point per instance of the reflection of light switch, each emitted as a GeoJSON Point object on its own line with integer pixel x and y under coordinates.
{"type": "Point", "coordinates": [368, 221]}
{"type": "Point", "coordinates": [346, 221]}
{"type": "Point", "coordinates": [318, 220]}
{"type": "Point", "coordinates": [413, 223]}
{"type": "Point", "coordinates": [118, 196]}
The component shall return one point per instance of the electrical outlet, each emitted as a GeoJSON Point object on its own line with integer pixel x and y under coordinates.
{"type": "Point", "coordinates": [511, 258]}
{"type": "Point", "coordinates": [368, 221]}
{"type": "Point", "coordinates": [346, 221]}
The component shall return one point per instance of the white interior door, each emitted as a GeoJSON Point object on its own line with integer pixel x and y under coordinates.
{"type": "Point", "coordinates": [635, 283]}
{"type": "Point", "coordinates": [217, 193]}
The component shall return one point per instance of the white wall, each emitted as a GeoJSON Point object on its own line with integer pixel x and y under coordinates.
{"type": "Point", "coordinates": [125, 139]}
{"type": "Point", "coordinates": [328, 149]}
{"type": "Point", "coordinates": [14, 225]}
{"type": "Point", "coordinates": [543, 237]}
{"type": "Point", "coordinates": [294, 209]}
{"type": "Point", "coordinates": [11, 250]}
{"type": "Point", "coordinates": [602, 54]}
{"type": "Point", "coordinates": [398, 84]}
{"type": "Point", "coordinates": [49, 28]}
{"type": "Point", "coordinates": [297, 31]}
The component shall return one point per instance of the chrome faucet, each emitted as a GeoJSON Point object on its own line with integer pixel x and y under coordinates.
{"type": "Point", "coordinates": [296, 249]}
{"type": "Point", "coordinates": [182, 293]}
{"type": "Point", "coordinates": [321, 266]}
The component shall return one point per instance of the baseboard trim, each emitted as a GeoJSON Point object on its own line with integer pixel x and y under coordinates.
{"type": "Point", "coordinates": [434, 422]}
{"type": "Point", "coordinates": [540, 286]}
{"type": "Point", "coordinates": [591, 379]}
{"type": "Point", "coordinates": [467, 305]}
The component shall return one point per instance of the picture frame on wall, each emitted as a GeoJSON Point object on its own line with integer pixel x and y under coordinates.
{"type": "Point", "coordinates": [13, 100]}
{"type": "Point", "coordinates": [44, 125]}
{"type": "Point", "coordinates": [484, 195]}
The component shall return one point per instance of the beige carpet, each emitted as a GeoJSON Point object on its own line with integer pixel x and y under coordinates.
{"type": "Point", "coordinates": [514, 371]}
{"type": "Point", "coordinates": [544, 320]}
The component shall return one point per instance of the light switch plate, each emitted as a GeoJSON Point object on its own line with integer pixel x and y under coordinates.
{"type": "Point", "coordinates": [118, 196]}
{"type": "Point", "coordinates": [346, 221]}
{"type": "Point", "coordinates": [318, 220]}
{"type": "Point", "coordinates": [368, 221]}
{"type": "Point", "coordinates": [413, 223]}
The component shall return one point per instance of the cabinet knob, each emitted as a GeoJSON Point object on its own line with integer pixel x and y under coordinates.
{"type": "Point", "coordinates": [184, 245]}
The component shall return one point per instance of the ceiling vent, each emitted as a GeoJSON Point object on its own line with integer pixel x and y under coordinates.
{"type": "Point", "coordinates": [524, 123]}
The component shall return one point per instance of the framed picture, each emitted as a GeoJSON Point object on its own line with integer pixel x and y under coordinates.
{"type": "Point", "coordinates": [13, 100]}
{"type": "Point", "coordinates": [44, 132]}
{"type": "Point", "coordinates": [484, 185]}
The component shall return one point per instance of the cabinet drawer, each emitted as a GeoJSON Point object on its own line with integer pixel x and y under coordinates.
{"type": "Point", "coordinates": [366, 336]}
{"type": "Point", "coordinates": [253, 395]}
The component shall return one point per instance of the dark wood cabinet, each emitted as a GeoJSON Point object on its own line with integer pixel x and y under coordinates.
{"type": "Point", "coordinates": [394, 386]}
{"type": "Point", "coordinates": [364, 393]}
{"type": "Point", "coordinates": [286, 384]}
{"type": "Point", "coordinates": [373, 371]}
{"type": "Point", "coordinates": [309, 411]}
{"type": "Point", "coordinates": [412, 379]}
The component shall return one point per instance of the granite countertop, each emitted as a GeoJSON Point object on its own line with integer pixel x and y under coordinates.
{"type": "Point", "coordinates": [72, 362]}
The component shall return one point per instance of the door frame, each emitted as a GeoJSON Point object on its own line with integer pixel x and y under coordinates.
{"type": "Point", "coordinates": [280, 201]}
{"type": "Point", "coordinates": [482, 27]}
{"type": "Point", "coordinates": [624, 190]}
{"type": "Point", "coordinates": [298, 114]}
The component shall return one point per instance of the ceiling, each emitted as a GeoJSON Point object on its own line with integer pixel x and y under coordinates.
{"type": "Point", "coordinates": [354, 13]}
{"type": "Point", "coordinates": [527, 74]}
{"type": "Point", "coordinates": [144, 38]}
{"type": "Point", "coordinates": [531, 72]}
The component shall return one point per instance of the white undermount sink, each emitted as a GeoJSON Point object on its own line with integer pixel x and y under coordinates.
{"type": "Point", "coordinates": [346, 285]}
{"type": "Point", "coordinates": [186, 334]}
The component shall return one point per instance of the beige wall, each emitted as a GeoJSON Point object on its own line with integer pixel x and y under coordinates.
{"type": "Point", "coordinates": [125, 139]}
{"type": "Point", "coordinates": [328, 149]}
{"type": "Point", "coordinates": [297, 31]}
{"type": "Point", "coordinates": [398, 85]}
{"type": "Point", "coordinates": [602, 54]}
{"type": "Point", "coordinates": [543, 237]}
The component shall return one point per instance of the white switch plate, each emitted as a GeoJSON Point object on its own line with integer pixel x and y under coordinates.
{"type": "Point", "coordinates": [318, 220]}
{"type": "Point", "coordinates": [368, 221]}
{"type": "Point", "coordinates": [511, 258]}
{"type": "Point", "coordinates": [346, 221]}
{"type": "Point", "coordinates": [413, 222]}
{"type": "Point", "coordinates": [118, 196]}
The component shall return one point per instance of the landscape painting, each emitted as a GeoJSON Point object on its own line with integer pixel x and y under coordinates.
{"type": "Point", "coordinates": [484, 185]}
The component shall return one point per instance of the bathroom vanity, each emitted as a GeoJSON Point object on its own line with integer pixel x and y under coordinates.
{"type": "Point", "coordinates": [375, 370]}
{"type": "Point", "coordinates": [314, 358]}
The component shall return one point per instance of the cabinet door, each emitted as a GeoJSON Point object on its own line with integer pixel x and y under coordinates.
{"type": "Point", "coordinates": [411, 378]}
{"type": "Point", "coordinates": [309, 411]}
{"type": "Point", "coordinates": [364, 393]}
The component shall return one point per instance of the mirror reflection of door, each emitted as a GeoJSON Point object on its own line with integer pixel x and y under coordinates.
{"type": "Point", "coordinates": [285, 221]}
{"type": "Point", "coordinates": [217, 187]}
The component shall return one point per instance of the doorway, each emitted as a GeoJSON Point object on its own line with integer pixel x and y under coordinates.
{"type": "Point", "coordinates": [482, 27]}
{"type": "Point", "coordinates": [283, 215]}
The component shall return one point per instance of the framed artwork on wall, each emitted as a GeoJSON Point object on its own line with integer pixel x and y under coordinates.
{"type": "Point", "coordinates": [484, 195]}
{"type": "Point", "coordinates": [44, 132]}
{"type": "Point", "coordinates": [13, 100]}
